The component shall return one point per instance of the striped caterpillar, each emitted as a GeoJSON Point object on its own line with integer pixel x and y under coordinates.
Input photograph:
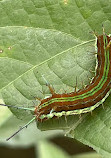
{"type": "Point", "coordinates": [84, 100]}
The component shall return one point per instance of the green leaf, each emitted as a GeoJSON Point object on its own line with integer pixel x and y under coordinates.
{"type": "Point", "coordinates": [30, 53]}
{"type": "Point", "coordinates": [76, 18]}
{"type": "Point", "coordinates": [49, 150]}
{"type": "Point", "coordinates": [51, 38]}
{"type": "Point", "coordinates": [12, 124]}
{"type": "Point", "coordinates": [95, 130]}
{"type": "Point", "coordinates": [87, 155]}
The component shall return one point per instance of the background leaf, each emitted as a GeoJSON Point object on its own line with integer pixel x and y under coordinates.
{"type": "Point", "coordinates": [50, 150]}
{"type": "Point", "coordinates": [87, 155]}
{"type": "Point", "coordinates": [51, 38]}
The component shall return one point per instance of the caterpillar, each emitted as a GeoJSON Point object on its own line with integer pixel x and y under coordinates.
{"type": "Point", "coordinates": [83, 100]}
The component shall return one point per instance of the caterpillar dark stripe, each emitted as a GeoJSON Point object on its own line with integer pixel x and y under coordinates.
{"type": "Point", "coordinates": [84, 100]}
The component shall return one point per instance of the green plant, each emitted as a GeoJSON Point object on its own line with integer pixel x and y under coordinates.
{"type": "Point", "coordinates": [51, 38]}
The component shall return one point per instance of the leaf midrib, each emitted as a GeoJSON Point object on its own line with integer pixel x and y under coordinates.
{"type": "Point", "coordinates": [47, 61]}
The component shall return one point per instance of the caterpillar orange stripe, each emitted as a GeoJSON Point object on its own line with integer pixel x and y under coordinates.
{"type": "Point", "coordinates": [84, 100]}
